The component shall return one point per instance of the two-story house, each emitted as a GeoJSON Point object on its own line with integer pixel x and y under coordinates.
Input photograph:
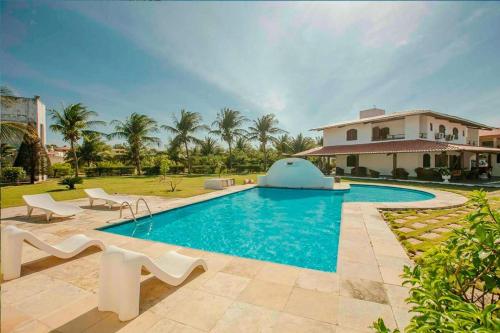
{"type": "Point", "coordinates": [408, 139]}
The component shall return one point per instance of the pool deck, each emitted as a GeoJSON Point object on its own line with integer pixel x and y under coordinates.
{"type": "Point", "coordinates": [234, 295]}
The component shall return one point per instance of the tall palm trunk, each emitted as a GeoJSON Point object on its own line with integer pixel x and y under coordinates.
{"type": "Point", "coordinates": [230, 156]}
{"type": "Point", "coordinates": [73, 150]}
{"type": "Point", "coordinates": [264, 150]}
{"type": "Point", "coordinates": [187, 157]}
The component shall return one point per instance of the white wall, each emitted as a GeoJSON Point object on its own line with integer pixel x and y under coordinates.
{"type": "Point", "coordinates": [295, 173]}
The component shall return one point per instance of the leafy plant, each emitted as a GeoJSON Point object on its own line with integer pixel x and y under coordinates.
{"type": "Point", "coordinates": [444, 171]}
{"type": "Point", "coordinates": [13, 174]}
{"type": "Point", "coordinates": [70, 182]}
{"type": "Point", "coordinates": [456, 286]}
{"type": "Point", "coordinates": [61, 169]}
{"type": "Point", "coordinates": [164, 168]}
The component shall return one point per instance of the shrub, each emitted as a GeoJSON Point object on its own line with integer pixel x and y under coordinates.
{"type": "Point", "coordinates": [109, 171]}
{"type": "Point", "coordinates": [359, 171]}
{"type": "Point", "coordinates": [13, 174]}
{"type": "Point", "coordinates": [61, 169]}
{"type": "Point", "coordinates": [455, 286]}
{"type": "Point", "coordinates": [339, 171]}
{"type": "Point", "coordinates": [151, 170]}
{"type": "Point", "coordinates": [247, 168]}
{"type": "Point", "coordinates": [70, 182]}
{"type": "Point", "coordinates": [427, 174]}
{"type": "Point", "coordinates": [374, 173]}
{"type": "Point", "coordinates": [400, 173]}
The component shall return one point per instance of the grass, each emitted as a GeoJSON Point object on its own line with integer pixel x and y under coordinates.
{"type": "Point", "coordinates": [140, 185]}
{"type": "Point", "coordinates": [420, 230]}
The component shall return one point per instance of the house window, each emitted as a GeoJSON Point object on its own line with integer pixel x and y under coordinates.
{"type": "Point", "coordinates": [352, 134]}
{"type": "Point", "coordinates": [431, 127]}
{"type": "Point", "coordinates": [463, 133]}
{"type": "Point", "coordinates": [384, 133]}
{"type": "Point", "coordinates": [487, 143]}
{"type": "Point", "coordinates": [427, 161]}
{"type": "Point", "coordinates": [455, 133]}
{"type": "Point", "coordinates": [441, 160]}
{"type": "Point", "coordinates": [498, 158]}
{"type": "Point", "coordinates": [376, 133]}
{"type": "Point", "coordinates": [442, 129]}
{"type": "Point", "coordinates": [351, 160]}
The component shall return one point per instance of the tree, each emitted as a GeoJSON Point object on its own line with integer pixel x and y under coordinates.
{"type": "Point", "coordinates": [301, 143]}
{"type": "Point", "coordinates": [136, 129]}
{"type": "Point", "coordinates": [242, 144]}
{"type": "Point", "coordinates": [93, 149]}
{"type": "Point", "coordinates": [184, 129]}
{"type": "Point", "coordinates": [7, 154]}
{"type": "Point", "coordinates": [208, 146]}
{"type": "Point", "coordinates": [32, 157]}
{"type": "Point", "coordinates": [228, 127]}
{"type": "Point", "coordinates": [73, 122]}
{"type": "Point", "coordinates": [264, 130]}
{"type": "Point", "coordinates": [11, 131]}
{"type": "Point", "coordinates": [282, 144]}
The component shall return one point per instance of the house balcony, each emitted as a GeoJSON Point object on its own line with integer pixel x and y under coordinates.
{"type": "Point", "coordinates": [445, 137]}
{"type": "Point", "coordinates": [389, 137]}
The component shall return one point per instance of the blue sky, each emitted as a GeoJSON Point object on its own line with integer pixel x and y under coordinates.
{"type": "Point", "coordinates": [309, 63]}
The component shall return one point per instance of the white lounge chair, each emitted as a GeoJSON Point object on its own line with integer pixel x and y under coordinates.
{"type": "Point", "coordinates": [120, 277]}
{"type": "Point", "coordinates": [99, 194]}
{"type": "Point", "coordinates": [50, 206]}
{"type": "Point", "coordinates": [12, 247]}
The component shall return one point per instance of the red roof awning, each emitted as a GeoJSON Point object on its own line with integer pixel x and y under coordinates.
{"type": "Point", "coordinates": [403, 146]}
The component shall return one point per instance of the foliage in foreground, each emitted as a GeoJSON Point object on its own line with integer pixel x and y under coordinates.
{"type": "Point", "coordinates": [456, 286]}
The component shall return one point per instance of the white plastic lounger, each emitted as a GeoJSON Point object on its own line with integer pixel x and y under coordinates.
{"type": "Point", "coordinates": [100, 194]}
{"type": "Point", "coordinates": [120, 277]}
{"type": "Point", "coordinates": [12, 247]}
{"type": "Point", "coordinates": [49, 205]}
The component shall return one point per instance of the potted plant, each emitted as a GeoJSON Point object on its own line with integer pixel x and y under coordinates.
{"type": "Point", "coordinates": [445, 174]}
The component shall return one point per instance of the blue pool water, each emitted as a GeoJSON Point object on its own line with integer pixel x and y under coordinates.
{"type": "Point", "coordinates": [294, 227]}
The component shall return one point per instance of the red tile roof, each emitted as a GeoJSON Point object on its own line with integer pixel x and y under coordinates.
{"type": "Point", "coordinates": [493, 133]}
{"type": "Point", "coordinates": [403, 146]}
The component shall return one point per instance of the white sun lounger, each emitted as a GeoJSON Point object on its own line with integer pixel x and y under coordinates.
{"type": "Point", "coordinates": [12, 247]}
{"type": "Point", "coordinates": [100, 194]}
{"type": "Point", "coordinates": [50, 206]}
{"type": "Point", "coordinates": [120, 277]}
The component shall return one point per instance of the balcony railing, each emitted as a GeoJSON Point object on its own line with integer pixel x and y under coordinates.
{"type": "Point", "coordinates": [389, 137]}
{"type": "Point", "coordinates": [446, 137]}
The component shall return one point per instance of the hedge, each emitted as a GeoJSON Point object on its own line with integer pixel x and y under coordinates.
{"type": "Point", "coordinates": [247, 168]}
{"type": "Point", "coordinates": [13, 174]}
{"type": "Point", "coordinates": [109, 171]}
{"type": "Point", "coordinates": [400, 173]}
{"type": "Point", "coordinates": [359, 171]}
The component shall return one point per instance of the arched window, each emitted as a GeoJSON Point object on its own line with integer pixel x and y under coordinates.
{"type": "Point", "coordinates": [431, 127]}
{"type": "Point", "coordinates": [352, 134]}
{"type": "Point", "coordinates": [384, 133]}
{"type": "Point", "coordinates": [427, 161]}
{"type": "Point", "coordinates": [455, 133]}
{"type": "Point", "coordinates": [442, 129]}
{"type": "Point", "coordinates": [376, 133]}
{"type": "Point", "coordinates": [351, 160]}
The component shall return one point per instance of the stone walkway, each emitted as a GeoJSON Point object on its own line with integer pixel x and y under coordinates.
{"type": "Point", "coordinates": [234, 295]}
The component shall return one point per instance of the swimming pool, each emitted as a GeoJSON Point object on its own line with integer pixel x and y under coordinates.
{"type": "Point", "coordinates": [288, 226]}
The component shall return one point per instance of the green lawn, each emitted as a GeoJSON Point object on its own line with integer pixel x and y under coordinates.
{"type": "Point", "coordinates": [140, 185]}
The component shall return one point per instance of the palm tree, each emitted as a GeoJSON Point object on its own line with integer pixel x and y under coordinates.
{"type": "Point", "coordinates": [301, 143]}
{"type": "Point", "coordinates": [184, 129]}
{"type": "Point", "coordinates": [319, 141]}
{"type": "Point", "coordinates": [93, 149]}
{"type": "Point", "coordinates": [228, 127]}
{"type": "Point", "coordinates": [242, 144]}
{"type": "Point", "coordinates": [282, 144]}
{"type": "Point", "coordinates": [136, 129]}
{"type": "Point", "coordinates": [264, 130]}
{"type": "Point", "coordinates": [11, 131]}
{"type": "Point", "coordinates": [73, 122]}
{"type": "Point", "coordinates": [208, 146]}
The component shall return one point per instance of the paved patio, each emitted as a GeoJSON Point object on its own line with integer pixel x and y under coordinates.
{"type": "Point", "coordinates": [234, 295]}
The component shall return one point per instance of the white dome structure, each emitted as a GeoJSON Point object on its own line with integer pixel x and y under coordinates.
{"type": "Point", "coordinates": [295, 173]}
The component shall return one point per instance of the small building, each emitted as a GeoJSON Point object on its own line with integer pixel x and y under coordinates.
{"type": "Point", "coordinates": [409, 140]}
{"type": "Point", "coordinates": [491, 139]}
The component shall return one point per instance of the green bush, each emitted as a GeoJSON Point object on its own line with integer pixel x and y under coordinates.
{"type": "Point", "coordinates": [70, 182]}
{"type": "Point", "coordinates": [109, 171]}
{"type": "Point", "coordinates": [359, 171]}
{"type": "Point", "coordinates": [400, 173]}
{"type": "Point", "coordinates": [427, 174]}
{"type": "Point", "coordinates": [339, 171]}
{"type": "Point", "coordinates": [455, 287]}
{"type": "Point", "coordinates": [61, 169]}
{"type": "Point", "coordinates": [13, 174]}
{"type": "Point", "coordinates": [374, 173]}
{"type": "Point", "coordinates": [247, 168]}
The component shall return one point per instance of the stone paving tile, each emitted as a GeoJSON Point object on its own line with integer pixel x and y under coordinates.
{"type": "Point", "coordinates": [351, 269]}
{"type": "Point", "coordinates": [360, 314]}
{"type": "Point", "coordinates": [445, 217]}
{"type": "Point", "coordinates": [243, 267]}
{"type": "Point", "coordinates": [418, 225]}
{"type": "Point", "coordinates": [12, 318]}
{"type": "Point", "coordinates": [397, 295]}
{"type": "Point", "coordinates": [432, 221]}
{"type": "Point", "coordinates": [276, 273]}
{"type": "Point", "coordinates": [441, 230]}
{"type": "Point", "coordinates": [317, 280]}
{"type": "Point", "coordinates": [405, 229]}
{"type": "Point", "coordinates": [413, 241]}
{"type": "Point", "coordinates": [224, 284]}
{"type": "Point", "coordinates": [267, 294]}
{"type": "Point", "coordinates": [454, 225]}
{"type": "Point", "coordinates": [412, 217]}
{"type": "Point", "coordinates": [366, 290]}
{"type": "Point", "coordinates": [294, 324]}
{"type": "Point", "coordinates": [313, 304]}
{"type": "Point", "coordinates": [430, 235]}
{"type": "Point", "coordinates": [400, 220]}
{"type": "Point", "coordinates": [167, 325]}
{"type": "Point", "coordinates": [244, 317]}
